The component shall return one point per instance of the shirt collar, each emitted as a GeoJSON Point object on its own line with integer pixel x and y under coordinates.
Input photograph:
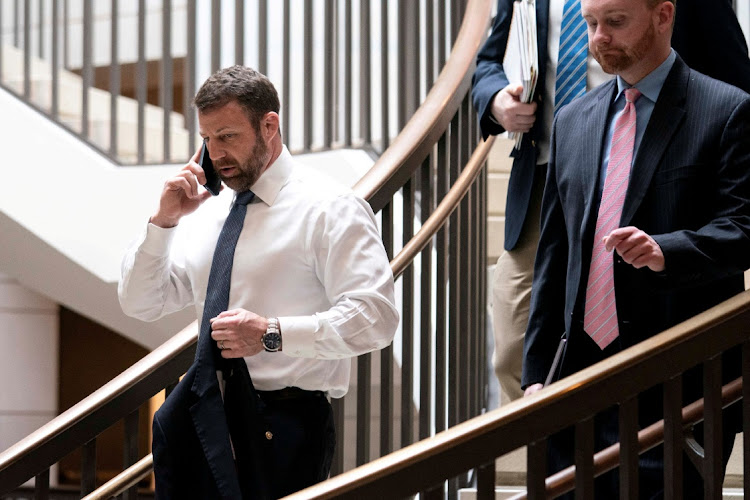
{"type": "Point", "coordinates": [267, 187]}
{"type": "Point", "coordinates": [650, 85]}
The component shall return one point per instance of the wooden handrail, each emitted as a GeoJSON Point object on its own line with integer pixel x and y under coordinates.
{"type": "Point", "coordinates": [429, 122]}
{"type": "Point", "coordinates": [446, 207]}
{"type": "Point", "coordinates": [482, 439]}
{"type": "Point", "coordinates": [138, 471]}
{"type": "Point", "coordinates": [124, 480]}
{"type": "Point", "coordinates": [171, 359]}
{"type": "Point", "coordinates": [649, 437]}
{"type": "Point", "coordinates": [99, 410]}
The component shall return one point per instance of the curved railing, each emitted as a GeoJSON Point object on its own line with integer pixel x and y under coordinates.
{"type": "Point", "coordinates": [426, 178]}
{"type": "Point", "coordinates": [106, 71]}
{"type": "Point", "coordinates": [575, 400]}
{"type": "Point", "coordinates": [406, 256]}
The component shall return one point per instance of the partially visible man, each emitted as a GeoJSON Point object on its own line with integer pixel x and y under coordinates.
{"type": "Point", "coordinates": [707, 36]}
{"type": "Point", "coordinates": [645, 215]}
{"type": "Point", "coordinates": [308, 287]}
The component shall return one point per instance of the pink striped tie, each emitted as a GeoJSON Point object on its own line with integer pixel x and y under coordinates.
{"type": "Point", "coordinates": [600, 314]}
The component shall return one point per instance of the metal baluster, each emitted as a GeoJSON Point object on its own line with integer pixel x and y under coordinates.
{"type": "Point", "coordinates": [285, 84]}
{"type": "Point", "coordinates": [365, 74]}
{"type": "Point", "coordinates": [263, 36]}
{"type": "Point", "coordinates": [40, 4]}
{"type": "Point", "coordinates": [308, 69]}
{"type": "Point", "coordinates": [215, 36]}
{"type": "Point", "coordinates": [673, 441]}
{"type": "Point", "coordinates": [454, 304]}
{"type": "Point", "coordinates": [536, 469]}
{"type": "Point", "coordinates": [88, 65]}
{"type": "Point", "coordinates": [364, 415]}
{"type": "Point", "coordinates": [41, 485]}
{"type": "Point", "coordinates": [425, 306]}
{"type": "Point", "coordinates": [386, 355]}
{"type": "Point", "coordinates": [713, 467]}
{"type": "Point", "coordinates": [441, 310]}
{"type": "Point", "coordinates": [189, 77]}
{"type": "Point", "coordinates": [339, 418]}
{"type": "Point", "coordinates": [88, 467]}
{"type": "Point", "coordinates": [167, 79]}
{"type": "Point", "coordinates": [130, 450]}
{"type": "Point", "coordinates": [114, 80]}
{"type": "Point", "coordinates": [329, 55]}
{"type": "Point", "coordinates": [141, 79]}
{"type": "Point", "coordinates": [584, 459]}
{"type": "Point", "coordinates": [384, 80]}
{"type": "Point", "coordinates": [55, 59]}
{"type": "Point", "coordinates": [239, 32]}
{"type": "Point", "coordinates": [347, 90]}
{"type": "Point", "coordinates": [27, 49]}
{"type": "Point", "coordinates": [464, 277]}
{"type": "Point", "coordinates": [407, 320]}
{"type": "Point", "coordinates": [66, 34]}
{"type": "Point", "coordinates": [628, 425]}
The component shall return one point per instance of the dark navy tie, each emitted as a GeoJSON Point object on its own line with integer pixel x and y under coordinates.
{"type": "Point", "coordinates": [242, 405]}
{"type": "Point", "coordinates": [220, 277]}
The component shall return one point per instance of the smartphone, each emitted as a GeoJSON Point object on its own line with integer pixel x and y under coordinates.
{"type": "Point", "coordinates": [213, 183]}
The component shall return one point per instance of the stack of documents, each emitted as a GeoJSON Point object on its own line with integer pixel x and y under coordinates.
{"type": "Point", "coordinates": [521, 63]}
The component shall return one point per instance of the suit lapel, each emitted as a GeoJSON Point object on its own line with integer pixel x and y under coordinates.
{"type": "Point", "coordinates": [594, 125]}
{"type": "Point", "coordinates": [664, 122]}
{"type": "Point", "coordinates": [210, 421]}
{"type": "Point", "coordinates": [212, 431]}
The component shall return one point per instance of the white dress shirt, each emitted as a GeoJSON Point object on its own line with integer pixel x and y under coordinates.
{"type": "Point", "coordinates": [309, 253]}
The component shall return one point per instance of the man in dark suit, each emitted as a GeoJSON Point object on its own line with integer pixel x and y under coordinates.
{"type": "Point", "coordinates": [679, 236]}
{"type": "Point", "coordinates": [707, 36]}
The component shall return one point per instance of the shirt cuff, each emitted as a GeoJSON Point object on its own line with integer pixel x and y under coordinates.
{"type": "Point", "coordinates": [157, 240]}
{"type": "Point", "coordinates": [298, 335]}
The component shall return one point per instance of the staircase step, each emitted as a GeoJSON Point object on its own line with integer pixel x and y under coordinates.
{"type": "Point", "coordinates": [506, 492]}
{"type": "Point", "coordinates": [70, 87]}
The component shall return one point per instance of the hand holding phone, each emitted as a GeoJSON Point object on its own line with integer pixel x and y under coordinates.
{"type": "Point", "coordinates": [213, 182]}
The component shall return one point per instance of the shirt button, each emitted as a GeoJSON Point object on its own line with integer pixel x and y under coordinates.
{"type": "Point", "coordinates": [269, 435]}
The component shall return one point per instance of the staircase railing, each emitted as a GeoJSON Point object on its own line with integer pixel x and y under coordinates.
{"type": "Point", "coordinates": [120, 75]}
{"type": "Point", "coordinates": [575, 400]}
{"type": "Point", "coordinates": [434, 375]}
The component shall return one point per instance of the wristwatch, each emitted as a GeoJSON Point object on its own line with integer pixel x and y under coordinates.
{"type": "Point", "coordinates": [272, 338]}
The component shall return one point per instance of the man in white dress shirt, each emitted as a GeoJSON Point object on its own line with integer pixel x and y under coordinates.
{"type": "Point", "coordinates": [309, 261]}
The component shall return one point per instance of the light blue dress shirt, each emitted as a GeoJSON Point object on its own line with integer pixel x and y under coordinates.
{"type": "Point", "coordinates": [650, 87]}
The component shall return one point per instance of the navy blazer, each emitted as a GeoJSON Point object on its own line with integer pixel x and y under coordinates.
{"type": "Point", "coordinates": [706, 34]}
{"type": "Point", "coordinates": [689, 189]}
{"type": "Point", "coordinates": [191, 446]}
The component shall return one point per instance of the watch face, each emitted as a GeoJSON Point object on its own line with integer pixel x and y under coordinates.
{"type": "Point", "coordinates": [272, 341]}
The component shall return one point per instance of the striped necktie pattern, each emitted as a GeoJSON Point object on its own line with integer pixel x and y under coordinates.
{"type": "Point", "coordinates": [600, 313]}
{"type": "Point", "coordinates": [570, 80]}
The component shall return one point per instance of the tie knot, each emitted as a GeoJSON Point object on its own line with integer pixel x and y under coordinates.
{"type": "Point", "coordinates": [632, 94]}
{"type": "Point", "coordinates": [244, 198]}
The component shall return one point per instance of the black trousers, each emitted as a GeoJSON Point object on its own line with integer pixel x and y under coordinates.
{"type": "Point", "coordinates": [300, 438]}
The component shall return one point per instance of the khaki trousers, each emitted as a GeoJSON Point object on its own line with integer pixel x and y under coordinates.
{"type": "Point", "coordinates": [511, 298]}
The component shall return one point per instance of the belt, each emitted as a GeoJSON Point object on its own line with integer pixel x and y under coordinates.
{"type": "Point", "coordinates": [288, 393]}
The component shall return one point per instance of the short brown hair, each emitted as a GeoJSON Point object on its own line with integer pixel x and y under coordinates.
{"type": "Point", "coordinates": [251, 89]}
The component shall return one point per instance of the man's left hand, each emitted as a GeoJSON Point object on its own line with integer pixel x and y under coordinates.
{"type": "Point", "coordinates": [238, 333]}
{"type": "Point", "coordinates": [636, 248]}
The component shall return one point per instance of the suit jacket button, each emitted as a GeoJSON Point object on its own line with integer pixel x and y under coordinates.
{"type": "Point", "coordinates": [269, 435]}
